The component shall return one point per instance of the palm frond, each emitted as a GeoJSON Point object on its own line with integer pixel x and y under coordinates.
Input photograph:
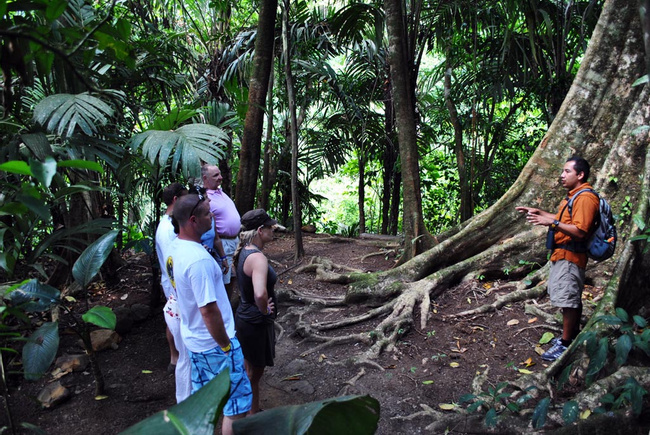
{"type": "Point", "coordinates": [63, 113]}
{"type": "Point", "coordinates": [187, 146]}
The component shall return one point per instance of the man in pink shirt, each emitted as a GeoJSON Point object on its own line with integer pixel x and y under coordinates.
{"type": "Point", "coordinates": [226, 219]}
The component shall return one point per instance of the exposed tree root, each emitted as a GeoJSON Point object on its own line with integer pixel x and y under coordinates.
{"type": "Point", "coordinates": [516, 296]}
{"type": "Point", "coordinates": [325, 270]}
{"type": "Point", "coordinates": [324, 326]}
{"type": "Point", "coordinates": [382, 252]}
{"type": "Point", "coordinates": [291, 295]}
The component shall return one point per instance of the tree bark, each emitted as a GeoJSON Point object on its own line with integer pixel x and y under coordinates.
{"type": "Point", "coordinates": [417, 238]}
{"type": "Point", "coordinates": [249, 155]}
{"type": "Point", "coordinates": [299, 251]}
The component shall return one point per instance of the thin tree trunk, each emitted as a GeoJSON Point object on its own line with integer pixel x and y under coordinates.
{"type": "Point", "coordinates": [295, 200]}
{"type": "Point", "coordinates": [263, 200]}
{"type": "Point", "coordinates": [249, 155]}
{"type": "Point", "coordinates": [362, 191]}
{"type": "Point", "coordinates": [417, 238]}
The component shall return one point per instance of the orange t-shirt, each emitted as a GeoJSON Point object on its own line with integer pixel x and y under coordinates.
{"type": "Point", "coordinates": [585, 209]}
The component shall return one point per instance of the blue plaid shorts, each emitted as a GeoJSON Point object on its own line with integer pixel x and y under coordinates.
{"type": "Point", "coordinates": [207, 365]}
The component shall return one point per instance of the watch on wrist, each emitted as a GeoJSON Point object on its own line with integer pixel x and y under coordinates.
{"type": "Point", "coordinates": [227, 348]}
{"type": "Point", "coordinates": [555, 224]}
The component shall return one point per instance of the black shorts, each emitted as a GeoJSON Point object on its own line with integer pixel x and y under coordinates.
{"type": "Point", "coordinates": [257, 342]}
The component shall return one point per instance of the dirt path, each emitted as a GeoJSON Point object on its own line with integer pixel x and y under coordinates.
{"type": "Point", "coordinates": [434, 366]}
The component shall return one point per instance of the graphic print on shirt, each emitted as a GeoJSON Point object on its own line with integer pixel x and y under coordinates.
{"type": "Point", "coordinates": [170, 270]}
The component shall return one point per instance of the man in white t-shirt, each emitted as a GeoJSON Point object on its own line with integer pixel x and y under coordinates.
{"type": "Point", "coordinates": [207, 321]}
{"type": "Point", "coordinates": [179, 360]}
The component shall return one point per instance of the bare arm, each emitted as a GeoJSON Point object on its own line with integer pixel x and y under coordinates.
{"type": "Point", "coordinates": [214, 322]}
{"type": "Point", "coordinates": [543, 218]}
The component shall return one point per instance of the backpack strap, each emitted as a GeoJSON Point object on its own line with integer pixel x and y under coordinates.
{"type": "Point", "coordinates": [574, 245]}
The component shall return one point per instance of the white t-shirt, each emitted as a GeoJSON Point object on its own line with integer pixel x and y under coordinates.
{"type": "Point", "coordinates": [165, 235]}
{"type": "Point", "coordinates": [197, 280]}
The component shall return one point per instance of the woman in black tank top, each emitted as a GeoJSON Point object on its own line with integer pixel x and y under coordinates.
{"type": "Point", "coordinates": [254, 320]}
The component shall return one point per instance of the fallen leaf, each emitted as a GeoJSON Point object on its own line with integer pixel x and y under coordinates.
{"type": "Point", "coordinates": [461, 350]}
{"type": "Point", "coordinates": [70, 299]}
{"type": "Point", "coordinates": [526, 372]}
{"type": "Point", "coordinates": [477, 328]}
{"type": "Point", "coordinates": [469, 301]}
{"type": "Point", "coordinates": [101, 397]}
{"type": "Point", "coordinates": [147, 372]}
{"type": "Point", "coordinates": [454, 365]}
{"type": "Point", "coordinates": [529, 362]}
{"type": "Point", "coordinates": [295, 377]}
{"type": "Point", "coordinates": [322, 357]}
{"type": "Point", "coordinates": [546, 337]}
{"type": "Point", "coordinates": [533, 320]}
{"type": "Point", "coordinates": [585, 414]}
{"type": "Point", "coordinates": [446, 406]}
{"type": "Point", "coordinates": [290, 282]}
{"type": "Point", "coordinates": [435, 311]}
{"type": "Point", "coordinates": [539, 350]}
{"type": "Point", "coordinates": [124, 296]}
{"type": "Point", "coordinates": [427, 382]}
{"type": "Point", "coordinates": [391, 367]}
{"type": "Point", "coordinates": [513, 322]}
{"type": "Point", "coordinates": [487, 286]}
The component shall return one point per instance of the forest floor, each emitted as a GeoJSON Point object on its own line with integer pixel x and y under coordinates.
{"type": "Point", "coordinates": [432, 367]}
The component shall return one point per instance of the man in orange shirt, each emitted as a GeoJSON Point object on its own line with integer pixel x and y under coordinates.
{"type": "Point", "coordinates": [569, 255]}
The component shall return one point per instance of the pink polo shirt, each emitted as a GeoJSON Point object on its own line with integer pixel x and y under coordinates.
{"type": "Point", "coordinates": [226, 216]}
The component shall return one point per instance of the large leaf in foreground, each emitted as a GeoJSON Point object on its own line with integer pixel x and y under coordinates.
{"type": "Point", "coordinates": [92, 258]}
{"type": "Point", "coordinates": [40, 350]}
{"type": "Point", "coordinates": [353, 415]}
{"type": "Point", "coordinates": [103, 317]}
{"type": "Point", "coordinates": [195, 415]}
{"type": "Point", "coordinates": [35, 296]}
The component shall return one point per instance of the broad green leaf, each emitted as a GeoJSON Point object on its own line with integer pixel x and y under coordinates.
{"type": "Point", "coordinates": [37, 206]}
{"type": "Point", "coordinates": [81, 164]}
{"type": "Point", "coordinates": [564, 376]}
{"type": "Point", "coordinates": [610, 320]}
{"type": "Point", "coordinates": [36, 296]}
{"type": "Point", "coordinates": [92, 258]}
{"type": "Point", "coordinates": [474, 406]}
{"type": "Point", "coordinates": [184, 146]}
{"type": "Point", "coordinates": [16, 167]}
{"type": "Point", "coordinates": [54, 9]}
{"type": "Point", "coordinates": [195, 415]}
{"type": "Point", "coordinates": [63, 113]}
{"type": "Point", "coordinates": [640, 321]}
{"type": "Point", "coordinates": [541, 410]}
{"type": "Point", "coordinates": [638, 220]}
{"type": "Point", "coordinates": [354, 415]}
{"type": "Point", "coordinates": [38, 144]}
{"type": "Point", "coordinates": [622, 314]}
{"type": "Point", "coordinates": [466, 398]}
{"type": "Point", "coordinates": [491, 418]}
{"type": "Point", "coordinates": [623, 347]}
{"type": "Point", "coordinates": [642, 80]}
{"type": "Point", "coordinates": [570, 412]}
{"type": "Point", "coordinates": [44, 172]}
{"type": "Point", "coordinates": [103, 317]}
{"type": "Point", "coordinates": [40, 350]}
{"type": "Point", "coordinates": [599, 358]}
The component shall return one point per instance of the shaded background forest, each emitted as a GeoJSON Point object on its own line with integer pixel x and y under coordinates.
{"type": "Point", "coordinates": [144, 91]}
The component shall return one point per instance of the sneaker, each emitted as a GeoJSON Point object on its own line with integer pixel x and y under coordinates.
{"type": "Point", "coordinates": [555, 351]}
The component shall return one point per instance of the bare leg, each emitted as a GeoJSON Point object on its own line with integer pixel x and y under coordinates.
{"type": "Point", "coordinates": [226, 424]}
{"type": "Point", "coordinates": [172, 347]}
{"type": "Point", "coordinates": [570, 323]}
{"type": "Point", "coordinates": [255, 375]}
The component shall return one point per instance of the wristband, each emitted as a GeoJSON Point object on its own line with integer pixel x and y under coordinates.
{"type": "Point", "coordinates": [227, 348]}
{"type": "Point", "coordinates": [555, 224]}
{"type": "Point", "coordinates": [223, 258]}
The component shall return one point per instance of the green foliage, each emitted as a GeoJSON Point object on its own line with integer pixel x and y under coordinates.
{"type": "Point", "coordinates": [495, 400]}
{"type": "Point", "coordinates": [40, 350]}
{"type": "Point", "coordinates": [539, 415]}
{"type": "Point", "coordinates": [627, 395]}
{"type": "Point", "coordinates": [645, 233]}
{"type": "Point", "coordinates": [353, 415]}
{"type": "Point", "coordinates": [196, 415]}
{"type": "Point", "coordinates": [91, 260]}
{"type": "Point", "coordinates": [100, 316]}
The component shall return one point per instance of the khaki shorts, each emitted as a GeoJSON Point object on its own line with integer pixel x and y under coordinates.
{"type": "Point", "coordinates": [229, 247]}
{"type": "Point", "coordinates": [565, 284]}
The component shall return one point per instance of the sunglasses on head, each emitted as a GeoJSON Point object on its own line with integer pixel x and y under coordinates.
{"type": "Point", "coordinates": [201, 199]}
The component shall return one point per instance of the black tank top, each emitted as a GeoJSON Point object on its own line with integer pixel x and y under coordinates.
{"type": "Point", "coordinates": [247, 309]}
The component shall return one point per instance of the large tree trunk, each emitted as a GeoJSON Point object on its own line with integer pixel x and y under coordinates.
{"type": "Point", "coordinates": [417, 239]}
{"type": "Point", "coordinates": [605, 119]}
{"type": "Point", "coordinates": [249, 155]}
